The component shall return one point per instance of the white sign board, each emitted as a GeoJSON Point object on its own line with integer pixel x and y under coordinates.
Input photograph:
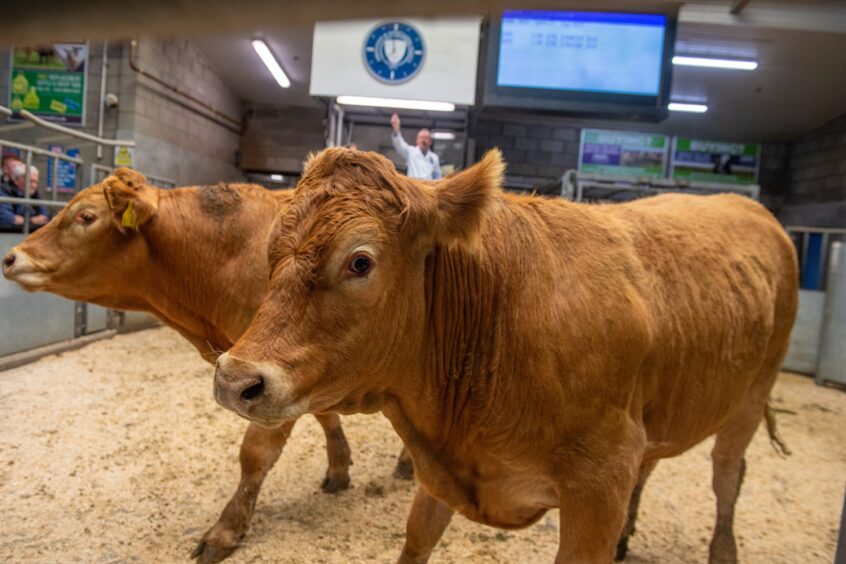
{"type": "Point", "coordinates": [409, 59]}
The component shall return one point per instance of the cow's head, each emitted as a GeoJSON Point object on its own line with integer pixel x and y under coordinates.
{"type": "Point", "coordinates": [346, 312]}
{"type": "Point", "coordinates": [89, 246]}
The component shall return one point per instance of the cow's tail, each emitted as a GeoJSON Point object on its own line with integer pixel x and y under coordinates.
{"type": "Point", "coordinates": [772, 430]}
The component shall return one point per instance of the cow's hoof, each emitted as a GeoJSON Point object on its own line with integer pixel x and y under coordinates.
{"type": "Point", "coordinates": [206, 553]}
{"type": "Point", "coordinates": [333, 484]}
{"type": "Point", "coordinates": [404, 470]}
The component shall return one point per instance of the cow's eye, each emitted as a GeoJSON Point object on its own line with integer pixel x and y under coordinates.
{"type": "Point", "coordinates": [85, 218]}
{"type": "Point", "coordinates": [360, 265]}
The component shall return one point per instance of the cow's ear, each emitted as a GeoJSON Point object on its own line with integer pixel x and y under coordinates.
{"type": "Point", "coordinates": [463, 197]}
{"type": "Point", "coordinates": [131, 200]}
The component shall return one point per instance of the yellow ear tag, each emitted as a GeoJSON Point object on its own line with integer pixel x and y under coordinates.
{"type": "Point", "coordinates": [129, 219]}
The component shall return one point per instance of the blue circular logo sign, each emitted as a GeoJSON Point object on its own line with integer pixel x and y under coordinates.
{"type": "Point", "coordinates": [394, 52]}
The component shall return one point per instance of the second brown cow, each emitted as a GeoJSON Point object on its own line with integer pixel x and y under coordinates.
{"type": "Point", "coordinates": [196, 258]}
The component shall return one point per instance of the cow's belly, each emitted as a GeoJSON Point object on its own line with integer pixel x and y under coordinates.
{"type": "Point", "coordinates": [512, 501]}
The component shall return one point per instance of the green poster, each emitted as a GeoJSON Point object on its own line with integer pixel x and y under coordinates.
{"type": "Point", "coordinates": [715, 161]}
{"type": "Point", "coordinates": [49, 81]}
{"type": "Point", "coordinates": [623, 153]}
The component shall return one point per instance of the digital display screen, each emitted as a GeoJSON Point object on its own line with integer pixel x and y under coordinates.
{"type": "Point", "coordinates": [582, 51]}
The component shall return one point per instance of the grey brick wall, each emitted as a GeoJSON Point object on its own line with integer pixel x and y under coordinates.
{"type": "Point", "coordinates": [280, 138]}
{"type": "Point", "coordinates": [176, 138]}
{"type": "Point", "coordinates": [534, 148]}
{"type": "Point", "coordinates": [816, 193]}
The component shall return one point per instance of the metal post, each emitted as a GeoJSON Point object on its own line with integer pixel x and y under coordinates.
{"type": "Point", "coordinates": [55, 177]}
{"type": "Point", "coordinates": [26, 192]}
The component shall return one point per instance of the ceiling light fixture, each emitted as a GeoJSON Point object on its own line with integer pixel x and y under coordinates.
{"type": "Point", "coordinates": [684, 60]}
{"type": "Point", "coordinates": [683, 107]}
{"type": "Point", "coordinates": [443, 135]}
{"type": "Point", "coordinates": [277, 177]}
{"type": "Point", "coordinates": [396, 103]}
{"type": "Point", "coordinates": [271, 63]}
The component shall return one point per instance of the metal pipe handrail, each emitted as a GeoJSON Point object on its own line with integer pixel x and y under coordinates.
{"type": "Point", "coordinates": [32, 202]}
{"type": "Point", "coordinates": [67, 131]}
{"type": "Point", "coordinates": [42, 152]}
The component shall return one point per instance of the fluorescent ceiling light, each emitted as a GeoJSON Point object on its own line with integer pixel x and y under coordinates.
{"type": "Point", "coordinates": [444, 135]}
{"type": "Point", "coordinates": [271, 63]}
{"type": "Point", "coordinates": [395, 103]}
{"type": "Point", "coordinates": [277, 177]}
{"type": "Point", "coordinates": [681, 107]}
{"type": "Point", "coordinates": [714, 63]}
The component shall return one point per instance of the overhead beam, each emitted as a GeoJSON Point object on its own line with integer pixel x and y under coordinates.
{"type": "Point", "coordinates": [737, 6]}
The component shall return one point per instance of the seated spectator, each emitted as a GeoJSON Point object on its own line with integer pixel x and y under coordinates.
{"type": "Point", "coordinates": [12, 215]}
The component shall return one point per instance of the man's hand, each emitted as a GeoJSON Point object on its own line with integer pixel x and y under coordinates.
{"type": "Point", "coordinates": [40, 219]}
{"type": "Point", "coordinates": [19, 220]}
{"type": "Point", "coordinates": [395, 122]}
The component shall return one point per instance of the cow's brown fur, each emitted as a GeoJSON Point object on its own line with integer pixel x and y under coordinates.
{"type": "Point", "coordinates": [531, 353]}
{"type": "Point", "coordinates": [196, 260]}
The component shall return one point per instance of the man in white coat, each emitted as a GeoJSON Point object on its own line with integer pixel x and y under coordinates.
{"type": "Point", "coordinates": [421, 161]}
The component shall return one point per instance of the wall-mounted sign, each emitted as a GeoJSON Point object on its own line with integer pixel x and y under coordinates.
{"type": "Point", "coordinates": [409, 59]}
{"type": "Point", "coordinates": [714, 161]}
{"type": "Point", "coordinates": [66, 171]}
{"type": "Point", "coordinates": [623, 153]}
{"type": "Point", "coordinates": [124, 156]}
{"type": "Point", "coordinates": [394, 52]}
{"type": "Point", "coordinates": [49, 81]}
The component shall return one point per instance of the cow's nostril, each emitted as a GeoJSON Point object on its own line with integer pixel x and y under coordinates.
{"type": "Point", "coordinates": [254, 391]}
{"type": "Point", "coordinates": [9, 260]}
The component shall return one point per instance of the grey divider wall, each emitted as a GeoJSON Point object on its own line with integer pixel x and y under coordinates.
{"type": "Point", "coordinates": [29, 320]}
{"type": "Point", "coordinates": [803, 355]}
{"type": "Point", "coordinates": [832, 365]}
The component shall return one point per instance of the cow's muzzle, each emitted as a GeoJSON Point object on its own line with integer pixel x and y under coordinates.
{"type": "Point", "coordinates": [19, 267]}
{"type": "Point", "coordinates": [256, 391]}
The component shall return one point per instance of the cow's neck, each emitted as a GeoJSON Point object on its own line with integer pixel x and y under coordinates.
{"type": "Point", "coordinates": [191, 281]}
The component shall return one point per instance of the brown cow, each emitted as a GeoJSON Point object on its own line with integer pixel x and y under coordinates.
{"type": "Point", "coordinates": [195, 258]}
{"type": "Point", "coordinates": [531, 353]}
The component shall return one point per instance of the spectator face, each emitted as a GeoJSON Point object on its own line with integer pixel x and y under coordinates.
{"type": "Point", "coordinates": [424, 140]}
{"type": "Point", "coordinates": [19, 177]}
{"type": "Point", "coordinates": [9, 164]}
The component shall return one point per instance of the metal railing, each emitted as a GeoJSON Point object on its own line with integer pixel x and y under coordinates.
{"type": "Point", "coordinates": [577, 186]}
{"type": "Point", "coordinates": [27, 200]}
{"type": "Point", "coordinates": [100, 172]}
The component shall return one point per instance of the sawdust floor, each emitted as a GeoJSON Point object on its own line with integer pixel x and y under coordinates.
{"type": "Point", "coordinates": [117, 452]}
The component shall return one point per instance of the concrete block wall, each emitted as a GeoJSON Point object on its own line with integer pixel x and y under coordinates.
{"type": "Point", "coordinates": [176, 138]}
{"type": "Point", "coordinates": [817, 178]}
{"type": "Point", "coordinates": [280, 138]}
{"type": "Point", "coordinates": [534, 148]}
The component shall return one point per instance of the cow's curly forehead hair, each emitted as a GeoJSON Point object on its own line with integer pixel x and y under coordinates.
{"type": "Point", "coordinates": [339, 187]}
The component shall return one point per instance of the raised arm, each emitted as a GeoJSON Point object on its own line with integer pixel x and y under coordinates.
{"type": "Point", "coordinates": [396, 138]}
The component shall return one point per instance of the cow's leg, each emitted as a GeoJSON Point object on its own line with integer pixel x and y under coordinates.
{"type": "Point", "coordinates": [259, 451]}
{"type": "Point", "coordinates": [729, 467]}
{"type": "Point", "coordinates": [405, 468]}
{"type": "Point", "coordinates": [426, 523]}
{"type": "Point", "coordinates": [337, 475]}
{"type": "Point", "coordinates": [634, 503]}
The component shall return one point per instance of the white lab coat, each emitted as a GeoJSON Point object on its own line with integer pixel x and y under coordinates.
{"type": "Point", "coordinates": [426, 167]}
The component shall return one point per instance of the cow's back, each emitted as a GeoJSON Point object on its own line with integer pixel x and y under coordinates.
{"type": "Point", "coordinates": [719, 281]}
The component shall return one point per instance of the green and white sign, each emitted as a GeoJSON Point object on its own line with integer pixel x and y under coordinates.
{"type": "Point", "coordinates": [49, 81]}
{"type": "Point", "coordinates": [623, 153]}
{"type": "Point", "coordinates": [715, 161]}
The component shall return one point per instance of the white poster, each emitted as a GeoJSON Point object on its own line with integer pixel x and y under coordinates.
{"type": "Point", "coordinates": [409, 59]}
